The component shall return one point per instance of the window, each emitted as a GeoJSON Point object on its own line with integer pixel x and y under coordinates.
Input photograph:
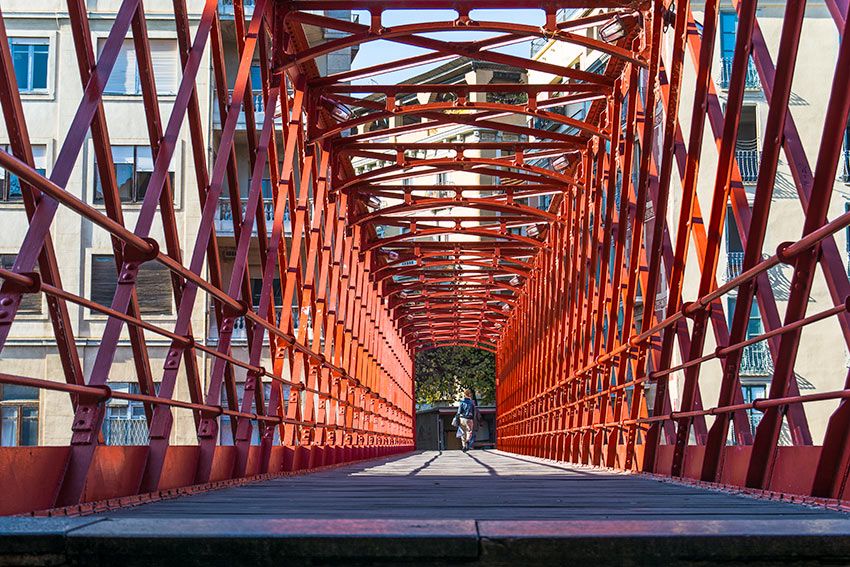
{"type": "Point", "coordinates": [10, 184]}
{"type": "Point", "coordinates": [125, 422]}
{"type": "Point", "coordinates": [124, 79]}
{"type": "Point", "coordinates": [733, 237]}
{"type": "Point", "coordinates": [728, 31]}
{"type": "Point", "coordinates": [756, 359]}
{"type": "Point", "coordinates": [30, 302]}
{"type": "Point", "coordinates": [18, 416]}
{"type": "Point", "coordinates": [751, 393]}
{"type": "Point", "coordinates": [29, 56]}
{"type": "Point", "coordinates": [257, 288]}
{"type": "Point", "coordinates": [747, 145]}
{"type": "Point", "coordinates": [133, 169]}
{"type": "Point", "coordinates": [442, 178]}
{"type": "Point", "coordinates": [153, 285]}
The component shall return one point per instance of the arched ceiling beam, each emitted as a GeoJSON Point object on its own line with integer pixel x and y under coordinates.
{"type": "Point", "coordinates": [378, 243]}
{"type": "Point", "coordinates": [405, 34]}
{"type": "Point", "coordinates": [539, 173]}
{"type": "Point", "coordinates": [483, 204]}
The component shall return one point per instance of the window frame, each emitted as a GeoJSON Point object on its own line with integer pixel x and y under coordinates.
{"type": "Point", "coordinates": [23, 312]}
{"type": "Point", "coordinates": [100, 40]}
{"type": "Point", "coordinates": [22, 404]}
{"type": "Point", "coordinates": [33, 41]}
{"type": "Point", "coordinates": [135, 201]}
{"type": "Point", "coordinates": [93, 315]}
{"type": "Point", "coordinates": [6, 180]}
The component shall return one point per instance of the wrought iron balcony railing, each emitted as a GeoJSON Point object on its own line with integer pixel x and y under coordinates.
{"type": "Point", "coordinates": [224, 219]}
{"type": "Point", "coordinates": [734, 261]}
{"type": "Point", "coordinates": [225, 7]}
{"type": "Point", "coordinates": [753, 83]}
{"type": "Point", "coordinates": [756, 360]}
{"type": "Point", "coordinates": [125, 431]}
{"type": "Point", "coordinates": [748, 164]}
{"type": "Point", "coordinates": [259, 110]}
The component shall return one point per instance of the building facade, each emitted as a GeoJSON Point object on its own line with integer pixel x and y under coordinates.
{"type": "Point", "coordinates": [821, 366]}
{"type": "Point", "coordinates": [42, 44]}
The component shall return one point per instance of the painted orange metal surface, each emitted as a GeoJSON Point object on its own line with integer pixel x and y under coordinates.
{"type": "Point", "coordinates": [378, 264]}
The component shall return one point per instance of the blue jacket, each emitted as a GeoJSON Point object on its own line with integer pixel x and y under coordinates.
{"type": "Point", "coordinates": [466, 409]}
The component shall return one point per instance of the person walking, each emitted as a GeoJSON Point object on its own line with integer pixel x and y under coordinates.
{"type": "Point", "coordinates": [466, 418]}
{"type": "Point", "coordinates": [477, 421]}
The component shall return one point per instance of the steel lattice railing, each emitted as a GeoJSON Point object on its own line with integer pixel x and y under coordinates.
{"type": "Point", "coordinates": [604, 309]}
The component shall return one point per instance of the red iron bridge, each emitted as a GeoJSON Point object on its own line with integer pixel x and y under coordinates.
{"type": "Point", "coordinates": [626, 257]}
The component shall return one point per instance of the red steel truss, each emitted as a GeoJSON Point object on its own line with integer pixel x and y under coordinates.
{"type": "Point", "coordinates": [377, 270]}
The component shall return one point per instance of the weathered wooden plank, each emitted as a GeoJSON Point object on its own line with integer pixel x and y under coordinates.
{"type": "Point", "coordinates": [481, 485]}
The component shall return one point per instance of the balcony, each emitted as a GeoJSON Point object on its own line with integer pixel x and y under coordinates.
{"type": "Point", "coordinates": [734, 262]}
{"type": "Point", "coordinates": [748, 164]}
{"type": "Point", "coordinates": [224, 218]}
{"type": "Point", "coordinates": [756, 360]}
{"type": "Point", "coordinates": [240, 332]}
{"type": "Point", "coordinates": [259, 112]}
{"type": "Point", "coordinates": [752, 83]}
{"type": "Point", "coordinates": [239, 336]}
{"type": "Point", "coordinates": [225, 8]}
{"type": "Point", "coordinates": [132, 431]}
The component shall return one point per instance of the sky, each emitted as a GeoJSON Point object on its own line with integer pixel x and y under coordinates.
{"type": "Point", "coordinates": [381, 51]}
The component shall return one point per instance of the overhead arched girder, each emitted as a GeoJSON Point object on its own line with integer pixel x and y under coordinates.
{"type": "Point", "coordinates": [518, 177]}
{"type": "Point", "coordinates": [423, 285]}
{"type": "Point", "coordinates": [510, 191]}
{"type": "Point", "coordinates": [468, 275]}
{"type": "Point", "coordinates": [485, 204]}
{"type": "Point", "coordinates": [406, 34]}
{"type": "Point", "coordinates": [346, 148]}
{"type": "Point", "coordinates": [454, 309]}
{"type": "Point", "coordinates": [481, 120]}
{"type": "Point", "coordinates": [479, 114]}
{"type": "Point", "coordinates": [415, 233]}
{"type": "Point", "coordinates": [479, 345]}
{"type": "Point", "coordinates": [442, 107]}
{"type": "Point", "coordinates": [467, 335]}
{"type": "Point", "coordinates": [451, 163]}
{"type": "Point", "coordinates": [484, 297]}
{"type": "Point", "coordinates": [475, 110]}
{"type": "Point", "coordinates": [381, 275]}
{"type": "Point", "coordinates": [421, 318]}
{"type": "Point", "coordinates": [495, 256]}
{"type": "Point", "coordinates": [454, 329]}
{"type": "Point", "coordinates": [442, 325]}
{"type": "Point", "coordinates": [396, 269]}
{"type": "Point", "coordinates": [462, 221]}
{"type": "Point", "coordinates": [443, 88]}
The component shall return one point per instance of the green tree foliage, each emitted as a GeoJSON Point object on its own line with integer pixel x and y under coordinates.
{"type": "Point", "coordinates": [443, 373]}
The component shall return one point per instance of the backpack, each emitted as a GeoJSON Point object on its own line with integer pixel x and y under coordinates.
{"type": "Point", "coordinates": [466, 409]}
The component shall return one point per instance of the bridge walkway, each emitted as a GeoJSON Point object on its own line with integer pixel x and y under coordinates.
{"type": "Point", "coordinates": [449, 508]}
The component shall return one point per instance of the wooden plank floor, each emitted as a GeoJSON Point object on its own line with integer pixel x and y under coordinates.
{"type": "Point", "coordinates": [480, 485]}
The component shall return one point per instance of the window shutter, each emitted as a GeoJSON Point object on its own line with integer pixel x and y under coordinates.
{"type": "Point", "coordinates": [153, 286]}
{"type": "Point", "coordinates": [104, 279]}
{"type": "Point", "coordinates": [164, 62]}
{"type": "Point", "coordinates": [30, 302]}
{"type": "Point", "coordinates": [122, 80]}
